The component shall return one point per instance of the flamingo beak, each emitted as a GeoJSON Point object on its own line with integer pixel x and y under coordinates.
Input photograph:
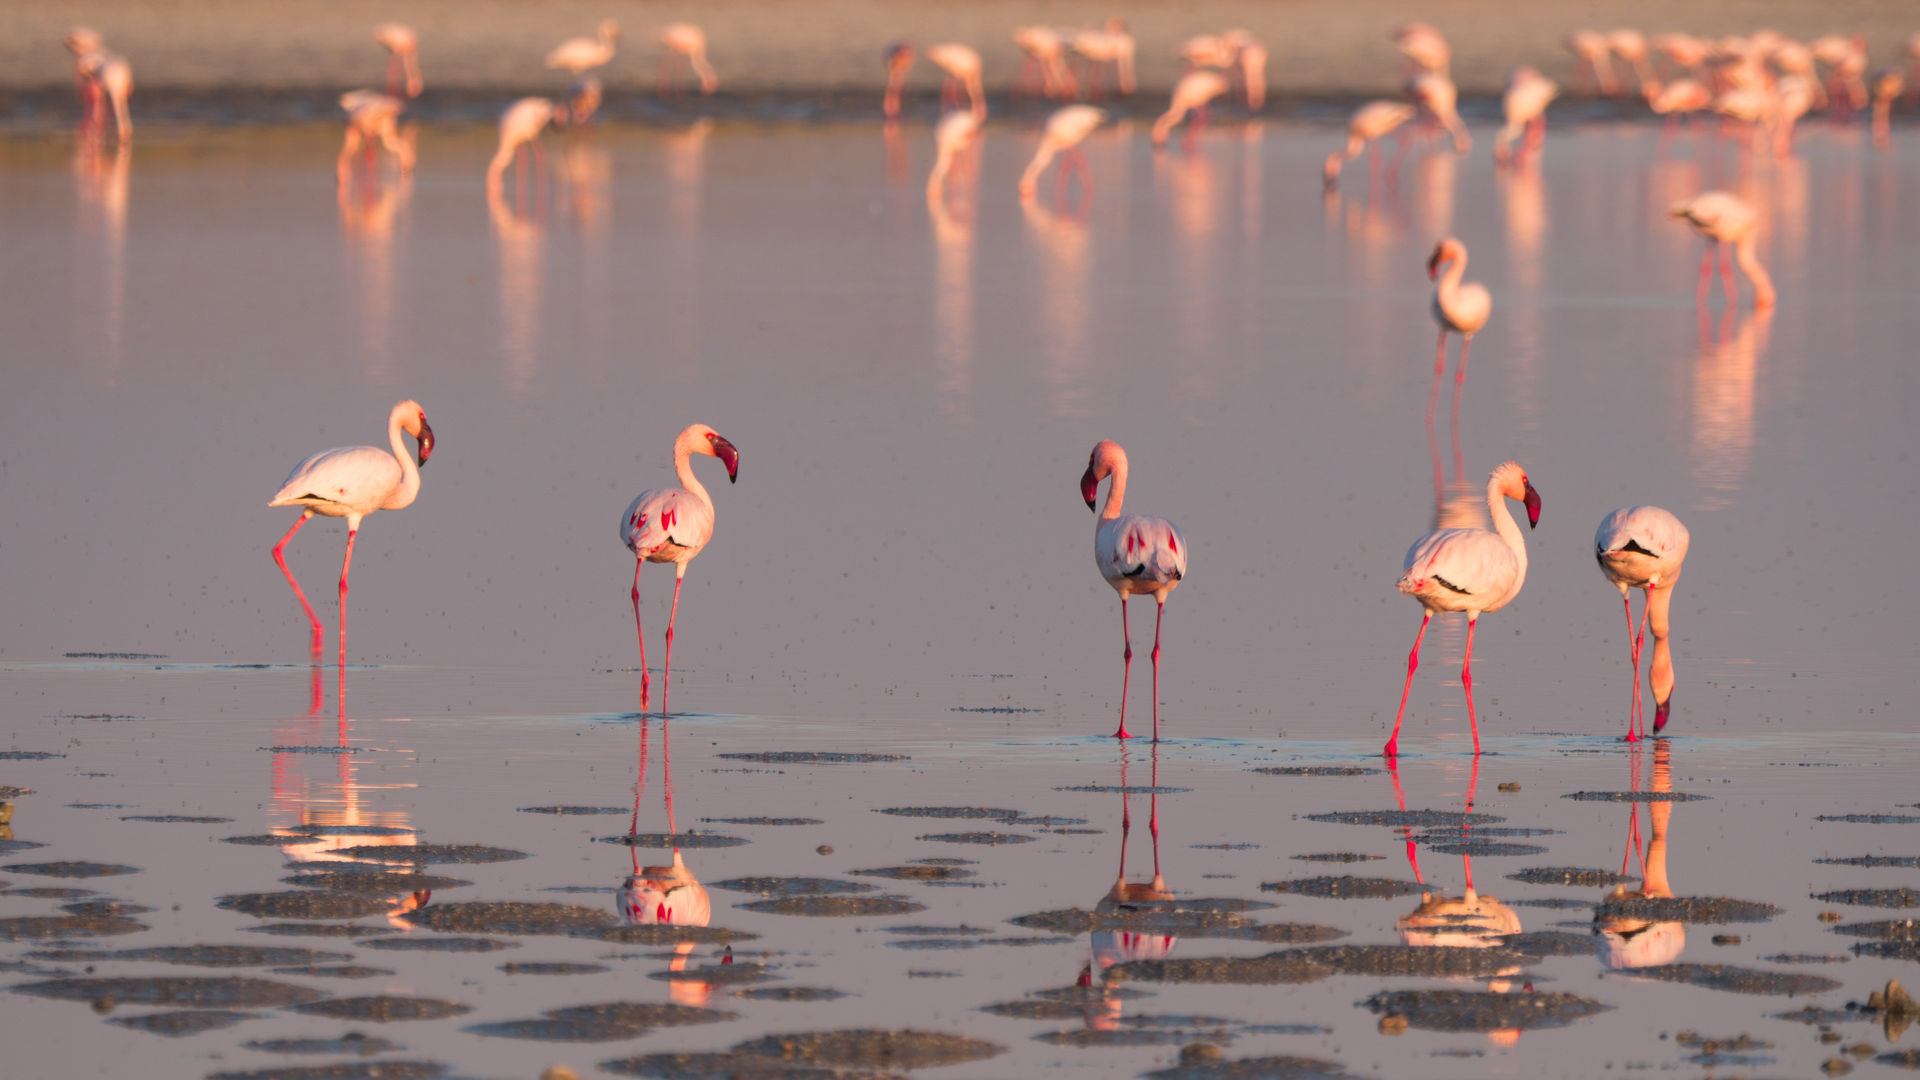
{"type": "Point", "coordinates": [425, 441]}
{"type": "Point", "coordinates": [1089, 487]}
{"type": "Point", "coordinates": [1533, 506]}
{"type": "Point", "coordinates": [724, 450]}
{"type": "Point", "coordinates": [1433, 265]}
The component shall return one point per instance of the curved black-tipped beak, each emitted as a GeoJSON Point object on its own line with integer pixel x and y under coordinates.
{"type": "Point", "coordinates": [1533, 507]}
{"type": "Point", "coordinates": [1433, 265]}
{"type": "Point", "coordinates": [425, 441]}
{"type": "Point", "coordinates": [729, 456]}
{"type": "Point", "coordinates": [1089, 487]}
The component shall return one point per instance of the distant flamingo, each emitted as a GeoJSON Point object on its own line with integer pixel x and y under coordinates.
{"type": "Point", "coordinates": [1191, 94]}
{"type": "Point", "coordinates": [373, 117]}
{"type": "Point", "coordinates": [1681, 97]}
{"type": "Point", "coordinates": [1642, 547]}
{"type": "Point", "coordinates": [403, 58]}
{"type": "Point", "coordinates": [690, 41]}
{"type": "Point", "coordinates": [671, 525]}
{"type": "Point", "coordinates": [1591, 49]}
{"type": "Point", "coordinates": [581, 54]}
{"type": "Point", "coordinates": [112, 81]}
{"type": "Point", "coordinates": [352, 482]}
{"type": "Point", "coordinates": [1110, 45]}
{"type": "Point", "coordinates": [962, 65]}
{"type": "Point", "coordinates": [1441, 98]}
{"type": "Point", "coordinates": [1726, 218]}
{"type": "Point", "coordinates": [1065, 131]}
{"type": "Point", "coordinates": [1371, 122]}
{"type": "Point", "coordinates": [1136, 554]}
{"type": "Point", "coordinates": [1631, 46]}
{"type": "Point", "coordinates": [83, 42]}
{"type": "Point", "coordinates": [520, 128]}
{"type": "Point", "coordinates": [1458, 307]}
{"type": "Point", "coordinates": [955, 132]}
{"type": "Point", "coordinates": [899, 61]}
{"type": "Point", "coordinates": [1525, 105]}
{"type": "Point", "coordinates": [1045, 63]}
{"type": "Point", "coordinates": [1253, 68]}
{"type": "Point", "coordinates": [1886, 89]}
{"type": "Point", "coordinates": [583, 99]}
{"type": "Point", "coordinates": [1424, 47]}
{"type": "Point", "coordinates": [1470, 570]}
{"type": "Point", "coordinates": [1686, 52]}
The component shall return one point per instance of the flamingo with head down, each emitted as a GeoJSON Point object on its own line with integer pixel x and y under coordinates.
{"type": "Point", "coordinates": [962, 65]}
{"type": "Point", "coordinates": [1371, 122]}
{"type": "Point", "coordinates": [955, 132]}
{"type": "Point", "coordinates": [403, 58]}
{"type": "Point", "coordinates": [1190, 95]}
{"type": "Point", "coordinates": [1725, 218]}
{"type": "Point", "coordinates": [1643, 547]}
{"type": "Point", "coordinates": [686, 40]}
{"type": "Point", "coordinates": [1066, 129]}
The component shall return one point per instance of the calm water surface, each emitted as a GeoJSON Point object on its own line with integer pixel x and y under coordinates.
{"type": "Point", "coordinates": [903, 569]}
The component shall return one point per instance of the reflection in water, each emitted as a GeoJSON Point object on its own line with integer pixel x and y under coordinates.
{"type": "Point", "coordinates": [1112, 947]}
{"type": "Point", "coordinates": [100, 182]}
{"type": "Point", "coordinates": [1524, 202]}
{"type": "Point", "coordinates": [1435, 178]}
{"type": "Point", "coordinates": [686, 156]}
{"type": "Point", "coordinates": [1194, 201]}
{"type": "Point", "coordinates": [1065, 275]}
{"type": "Point", "coordinates": [586, 174]}
{"type": "Point", "coordinates": [953, 300]}
{"type": "Point", "coordinates": [367, 216]}
{"type": "Point", "coordinates": [666, 895]}
{"type": "Point", "coordinates": [1636, 943]}
{"type": "Point", "coordinates": [520, 244]}
{"type": "Point", "coordinates": [1720, 432]}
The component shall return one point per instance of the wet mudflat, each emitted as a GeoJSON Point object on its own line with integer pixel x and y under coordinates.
{"type": "Point", "coordinates": [893, 839]}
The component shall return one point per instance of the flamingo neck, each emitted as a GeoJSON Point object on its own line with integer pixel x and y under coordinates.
{"type": "Point", "coordinates": [1450, 281]}
{"type": "Point", "coordinates": [403, 495]}
{"type": "Point", "coordinates": [1749, 262]}
{"type": "Point", "coordinates": [1031, 178]}
{"type": "Point", "coordinates": [1116, 491]}
{"type": "Point", "coordinates": [683, 468]}
{"type": "Point", "coordinates": [1509, 531]}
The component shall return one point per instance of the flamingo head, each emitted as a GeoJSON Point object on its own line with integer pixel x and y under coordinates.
{"type": "Point", "coordinates": [1510, 480]}
{"type": "Point", "coordinates": [413, 420]}
{"type": "Point", "coordinates": [1532, 500]}
{"type": "Point", "coordinates": [1100, 465]}
{"type": "Point", "coordinates": [1330, 172]}
{"type": "Point", "coordinates": [1443, 253]}
{"type": "Point", "coordinates": [900, 56]}
{"type": "Point", "coordinates": [719, 447]}
{"type": "Point", "coordinates": [610, 30]}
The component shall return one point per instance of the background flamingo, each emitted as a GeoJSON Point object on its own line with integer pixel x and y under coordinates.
{"type": "Point", "coordinates": [1470, 570]}
{"type": "Point", "coordinates": [955, 132]}
{"type": "Point", "coordinates": [1065, 130]}
{"type": "Point", "coordinates": [687, 40]}
{"type": "Point", "coordinates": [112, 80]}
{"type": "Point", "coordinates": [899, 61]}
{"type": "Point", "coordinates": [1643, 547]}
{"type": "Point", "coordinates": [403, 58]}
{"type": "Point", "coordinates": [520, 128]}
{"type": "Point", "coordinates": [1726, 218]}
{"type": "Point", "coordinates": [671, 525]}
{"type": "Point", "coordinates": [962, 65]}
{"type": "Point", "coordinates": [1441, 98]}
{"type": "Point", "coordinates": [1371, 122]}
{"type": "Point", "coordinates": [1424, 47]}
{"type": "Point", "coordinates": [373, 118]}
{"type": "Point", "coordinates": [83, 42]}
{"type": "Point", "coordinates": [1046, 62]}
{"type": "Point", "coordinates": [1525, 105]}
{"type": "Point", "coordinates": [1108, 46]}
{"type": "Point", "coordinates": [1194, 90]}
{"type": "Point", "coordinates": [1136, 554]}
{"type": "Point", "coordinates": [352, 482]}
{"type": "Point", "coordinates": [1458, 307]}
{"type": "Point", "coordinates": [582, 54]}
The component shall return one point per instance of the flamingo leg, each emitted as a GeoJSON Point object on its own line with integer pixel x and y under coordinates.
{"type": "Point", "coordinates": [1160, 608]}
{"type": "Point", "coordinates": [297, 591]}
{"type": "Point", "coordinates": [1413, 664]}
{"type": "Point", "coordinates": [1726, 275]}
{"type": "Point", "coordinates": [641, 634]}
{"type": "Point", "coordinates": [1126, 672]}
{"type": "Point", "coordinates": [666, 672]}
{"type": "Point", "coordinates": [1440, 354]}
{"type": "Point", "coordinates": [1706, 277]}
{"type": "Point", "coordinates": [345, 565]}
{"type": "Point", "coordinates": [1633, 648]}
{"type": "Point", "coordinates": [1466, 681]}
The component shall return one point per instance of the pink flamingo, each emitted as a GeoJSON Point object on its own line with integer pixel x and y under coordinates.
{"type": "Point", "coordinates": [1643, 547]}
{"type": "Point", "coordinates": [580, 55]}
{"type": "Point", "coordinates": [1631, 47]}
{"type": "Point", "coordinates": [1371, 122]}
{"type": "Point", "coordinates": [1066, 129]}
{"type": "Point", "coordinates": [373, 117]}
{"type": "Point", "coordinates": [962, 65]}
{"type": "Point", "coordinates": [1191, 94]}
{"type": "Point", "coordinates": [1470, 570]}
{"type": "Point", "coordinates": [690, 41]}
{"type": "Point", "coordinates": [111, 79]}
{"type": "Point", "coordinates": [1887, 87]}
{"type": "Point", "coordinates": [1525, 104]}
{"type": "Point", "coordinates": [1253, 67]}
{"type": "Point", "coordinates": [1458, 307]}
{"type": "Point", "coordinates": [1046, 62]}
{"type": "Point", "coordinates": [403, 58]}
{"type": "Point", "coordinates": [1591, 49]}
{"type": "Point", "coordinates": [899, 61]}
{"type": "Point", "coordinates": [352, 482]}
{"type": "Point", "coordinates": [955, 132]}
{"type": "Point", "coordinates": [1681, 97]}
{"type": "Point", "coordinates": [1136, 554]}
{"type": "Point", "coordinates": [583, 99]}
{"type": "Point", "coordinates": [1424, 47]}
{"type": "Point", "coordinates": [1438, 95]}
{"type": "Point", "coordinates": [1108, 45]}
{"type": "Point", "coordinates": [520, 128]}
{"type": "Point", "coordinates": [83, 42]}
{"type": "Point", "coordinates": [671, 525]}
{"type": "Point", "coordinates": [1726, 218]}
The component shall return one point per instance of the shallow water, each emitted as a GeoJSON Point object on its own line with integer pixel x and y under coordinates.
{"type": "Point", "coordinates": [902, 570]}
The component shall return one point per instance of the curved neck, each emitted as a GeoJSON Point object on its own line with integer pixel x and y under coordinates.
{"type": "Point", "coordinates": [1116, 491]}
{"type": "Point", "coordinates": [1031, 178]}
{"type": "Point", "coordinates": [683, 468]}
{"type": "Point", "coordinates": [402, 496]}
{"type": "Point", "coordinates": [1509, 531]}
{"type": "Point", "coordinates": [1456, 270]}
{"type": "Point", "coordinates": [1762, 281]}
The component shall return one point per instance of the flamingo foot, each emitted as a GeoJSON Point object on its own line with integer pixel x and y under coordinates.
{"type": "Point", "coordinates": [1392, 749]}
{"type": "Point", "coordinates": [1122, 733]}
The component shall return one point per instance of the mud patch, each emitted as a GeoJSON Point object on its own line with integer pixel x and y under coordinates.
{"type": "Point", "coordinates": [1095, 1038]}
{"type": "Point", "coordinates": [790, 993]}
{"type": "Point", "coordinates": [1473, 1010]}
{"type": "Point", "coordinates": [1487, 848]}
{"type": "Point", "coordinates": [351, 1043]}
{"type": "Point", "coordinates": [181, 1022]}
{"type": "Point", "coordinates": [1686, 909]}
{"type": "Point", "coordinates": [509, 917]}
{"type": "Point", "coordinates": [811, 757]}
{"type": "Point", "coordinates": [272, 840]}
{"type": "Point", "coordinates": [735, 974]}
{"type": "Point", "coordinates": [1889, 950]}
{"type": "Point", "coordinates": [51, 892]}
{"type": "Point", "coordinates": [1125, 789]}
{"type": "Point", "coordinates": [195, 955]}
{"type": "Point", "coordinates": [35, 927]}
{"type": "Point", "coordinates": [662, 934]}
{"type": "Point", "coordinates": [1575, 876]}
{"type": "Point", "coordinates": [439, 944]}
{"type": "Point", "coordinates": [334, 971]}
{"type": "Point", "coordinates": [964, 813]}
{"type": "Point", "coordinates": [836, 906]}
{"type": "Point", "coordinates": [384, 1008]}
{"type": "Point", "coordinates": [1419, 819]}
{"type": "Point", "coordinates": [601, 1023]}
{"type": "Point", "coordinates": [573, 811]}
{"type": "Point", "coordinates": [1289, 966]}
{"type": "Point", "coordinates": [556, 967]}
{"type": "Point", "coordinates": [427, 854]}
{"type": "Point", "coordinates": [987, 838]}
{"type": "Point", "coordinates": [1901, 1059]}
{"type": "Point", "coordinates": [320, 929]}
{"type": "Point", "coordinates": [14, 847]}
{"type": "Point", "coordinates": [352, 830]}
{"type": "Point", "coordinates": [1543, 943]}
{"type": "Point", "coordinates": [1871, 819]}
{"type": "Point", "coordinates": [1315, 770]}
{"type": "Point", "coordinates": [1413, 960]}
{"type": "Point", "coordinates": [304, 904]}
{"type": "Point", "coordinates": [178, 819]}
{"type": "Point", "coordinates": [1906, 861]}
{"type": "Point", "coordinates": [1240, 846]}
{"type": "Point", "coordinates": [869, 1048]}
{"type": "Point", "coordinates": [193, 991]}
{"type": "Point", "coordinates": [1189, 918]}
{"type": "Point", "coordinates": [761, 821]}
{"type": "Point", "coordinates": [792, 886]}
{"type": "Point", "coordinates": [104, 908]}
{"type": "Point", "coordinates": [373, 882]}
{"type": "Point", "coordinates": [1886, 898]}
{"type": "Point", "coordinates": [27, 755]}
{"type": "Point", "coordinates": [370, 1070]}
{"type": "Point", "coordinates": [341, 751]}
{"type": "Point", "coordinates": [1634, 796]}
{"type": "Point", "coordinates": [689, 840]}
{"type": "Point", "coordinates": [1737, 980]}
{"type": "Point", "coordinates": [1889, 930]}
{"type": "Point", "coordinates": [1344, 887]}
{"type": "Point", "coordinates": [915, 873]}
{"type": "Point", "coordinates": [735, 1066]}
{"type": "Point", "coordinates": [1806, 958]}
{"type": "Point", "coordinates": [8, 791]}
{"type": "Point", "coordinates": [71, 869]}
{"type": "Point", "coordinates": [936, 943]}
{"type": "Point", "coordinates": [1339, 857]}
{"type": "Point", "coordinates": [1261, 1068]}
{"type": "Point", "coordinates": [1562, 903]}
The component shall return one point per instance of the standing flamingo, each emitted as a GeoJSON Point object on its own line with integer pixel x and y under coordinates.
{"type": "Point", "coordinates": [1726, 218]}
{"type": "Point", "coordinates": [1470, 570]}
{"type": "Point", "coordinates": [111, 78]}
{"type": "Point", "coordinates": [83, 42]}
{"type": "Point", "coordinates": [403, 58]}
{"type": "Point", "coordinates": [520, 128]}
{"type": "Point", "coordinates": [962, 65]}
{"type": "Point", "coordinates": [1887, 87]}
{"type": "Point", "coordinates": [352, 482]}
{"type": "Point", "coordinates": [899, 57]}
{"type": "Point", "coordinates": [1191, 94]}
{"type": "Point", "coordinates": [1592, 49]}
{"type": "Point", "coordinates": [1371, 122]}
{"type": "Point", "coordinates": [1525, 104]}
{"type": "Point", "coordinates": [373, 117]}
{"type": "Point", "coordinates": [1108, 45]}
{"type": "Point", "coordinates": [1643, 547]}
{"type": "Point", "coordinates": [1136, 554]}
{"type": "Point", "coordinates": [1458, 307]}
{"type": "Point", "coordinates": [686, 39]}
{"type": "Point", "coordinates": [955, 132]}
{"type": "Point", "coordinates": [1046, 61]}
{"type": "Point", "coordinates": [671, 525]}
{"type": "Point", "coordinates": [581, 54]}
{"type": "Point", "coordinates": [1441, 98]}
{"type": "Point", "coordinates": [1065, 131]}
{"type": "Point", "coordinates": [1424, 47]}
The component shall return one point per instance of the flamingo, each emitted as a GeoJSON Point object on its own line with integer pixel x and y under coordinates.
{"type": "Point", "coordinates": [352, 482]}
{"type": "Point", "coordinates": [1887, 87]}
{"type": "Point", "coordinates": [1065, 131]}
{"type": "Point", "coordinates": [686, 39]}
{"type": "Point", "coordinates": [112, 80]}
{"type": "Point", "coordinates": [962, 65]}
{"type": "Point", "coordinates": [583, 99]}
{"type": "Point", "coordinates": [899, 61]}
{"type": "Point", "coordinates": [1681, 97]}
{"type": "Point", "coordinates": [1046, 59]}
{"type": "Point", "coordinates": [1371, 122]}
{"type": "Point", "coordinates": [1191, 94]}
{"type": "Point", "coordinates": [373, 117]}
{"type": "Point", "coordinates": [1684, 51]}
{"type": "Point", "coordinates": [520, 127]}
{"type": "Point", "coordinates": [1136, 554]}
{"type": "Point", "coordinates": [671, 525]}
{"type": "Point", "coordinates": [83, 42]}
{"type": "Point", "coordinates": [1457, 307]}
{"type": "Point", "coordinates": [1440, 97]}
{"type": "Point", "coordinates": [1525, 104]}
{"type": "Point", "coordinates": [403, 58]}
{"type": "Point", "coordinates": [955, 132]}
{"type": "Point", "coordinates": [1111, 44]}
{"type": "Point", "coordinates": [1470, 570]}
{"type": "Point", "coordinates": [581, 54]}
{"type": "Point", "coordinates": [1207, 51]}
{"type": "Point", "coordinates": [1424, 47]}
{"type": "Point", "coordinates": [1793, 98]}
{"type": "Point", "coordinates": [1253, 70]}
{"type": "Point", "coordinates": [1591, 49]}
{"type": "Point", "coordinates": [1846, 60]}
{"type": "Point", "coordinates": [1643, 547]}
{"type": "Point", "coordinates": [1631, 47]}
{"type": "Point", "coordinates": [1726, 218]}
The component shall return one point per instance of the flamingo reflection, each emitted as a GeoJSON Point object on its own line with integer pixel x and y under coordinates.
{"type": "Point", "coordinates": [666, 895]}
{"type": "Point", "coordinates": [520, 247]}
{"type": "Point", "coordinates": [367, 221]}
{"type": "Point", "coordinates": [101, 182]}
{"type": "Point", "coordinates": [1626, 942]}
{"type": "Point", "coordinates": [1721, 424]}
{"type": "Point", "coordinates": [1118, 946]}
{"type": "Point", "coordinates": [953, 300]}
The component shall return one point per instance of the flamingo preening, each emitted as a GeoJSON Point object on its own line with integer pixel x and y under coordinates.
{"type": "Point", "coordinates": [1470, 570]}
{"type": "Point", "coordinates": [1136, 554]}
{"type": "Point", "coordinates": [1643, 547]}
{"type": "Point", "coordinates": [403, 58]}
{"type": "Point", "coordinates": [1725, 218]}
{"type": "Point", "coordinates": [352, 482]}
{"type": "Point", "coordinates": [671, 525]}
{"type": "Point", "coordinates": [1066, 129]}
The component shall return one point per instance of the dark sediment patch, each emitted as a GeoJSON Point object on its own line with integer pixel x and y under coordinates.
{"type": "Point", "coordinates": [869, 1048]}
{"type": "Point", "coordinates": [987, 838]}
{"type": "Point", "coordinates": [272, 840]}
{"type": "Point", "coordinates": [73, 869]}
{"type": "Point", "coordinates": [943, 860]}
{"type": "Point", "coordinates": [733, 1066]}
{"type": "Point", "coordinates": [36, 927]}
{"type": "Point", "coordinates": [384, 1008]}
{"type": "Point", "coordinates": [761, 821]}
{"type": "Point", "coordinates": [179, 1022]}
{"type": "Point", "coordinates": [792, 886]}
{"type": "Point", "coordinates": [1634, 796]}
{"type": "Point", "coordinates": [1815, 1015]}
{"type": "Point", "coordinates": [352, 1042]}
{"type": "Point", "coordinates": [1125, 789]}
{"type": "Point", "coordinates": [304, 904]}
{"type": "Point", "coordinates": [334, 971]}
{"type": "Point", "coordinates": [1092, 993]}
{"type": "Point", "coordinates": [349, 1070]}
{"type": "Point", "coordinates": [1199, 918]}
{"type": "Point", "coordinates": [177, 819]}
{"type": "Point", "coordinates": [1886, 930]}
{"type": "Point", "coordinates": [319, 929]}
{"type": "Point", "coordinates": [353, 830]}
{"type": "Point", "coordinates": [114, 656]}
{"type": "Point", "coordinates": [429, 854]}
{"type": "Point", "coordinates": [1487, 848]}
{"type": "Point", "coordinates": [1345, 887]}
{"type": "Point", "coordinates": [1474, 1010]}
{"type": "Point", "coordinates": [1288, 933]}
{"type": "Point", "coordinates": [8, 791]}
{"type": "Point", "coordinates": [439, 944]}
{"type": "Point", "coordinates": [1685, 909]}
{"type": "Point", "coordinates": [99, 806]}
{"type": "Point", "coordinates": [740, 973]}
{"type": "Point", "coordinates": [1886, 898]}
{"type": "Point", "coordinates": [1418, 819]}
{"type": "Point", "coordinates": [1051, 823]}
{"type": "Point", "coordinates": [195, 955]}
{"type": "Point", "coordinates": [1315, 770]}
{"type": "Point", "coordinates": [601, 1023]}
{"type": "Point", "coordinates": [688, 840]}
{"type": "Point", "coordinates": [553, 967]}
{"type": "Point", "coordinates": [104, 907]}
{"type": "Point", "coordinates": [1096, 1038]}
{"type": "Point", "coordinates": [813, 757]}
{"type": "Point", "coordinates": [27, 755]}
{"type": "Point", "coordinates": [1238, 846]}
{"type": "Point", "coordinates": [191, 990]}
{"type": "Point", "coordinates": [1543, 943]}
{"type": "Point", "coordinates": [14, 847]}
{"type": "Point", "coordinates": [966, 813]}
{"type": "Point", "coordinates": [1562, 903]}
{"type": "Point", "coordinates": [1889, 950]}
{"type": "Point", "coordinates": [936, 931]}
{"type": "Point", "coordinates": [51, 892]}
{"type": "Point", "coordinates": [836, 906]}
{"type": "Point", "coordinates": [341, 751]}
{"type": "Point", "coordinates": [1414, 960]}
{"type": "Point", "coordinates": [1288, 966]}
{"type": "Point", "coordinates": [1905, 861]}
{"type": "Point", "coordinates": [1871, 819]}
{"type": "Point", "coordinates": [373, 883]}
{"type": "Point", "coordinates": [1260, 1068]}
{"type": "Point", "coordinates": [1575, 876]}
{"type": "Point", "coordinates": [573, 811]}
{"type": "Point", "coordinates": [1737, 980]}
{"type": "Point", "coordinates": [790, 993]}
{"type": "Point", "coordinates": [662, 934]}
{"type": "Point", "coordinates": [935, 943]}
{"type": "Point", "coordinates": [915, 873]}
{"type": "Point", "coordinates": [1900, 1059]}
{"type": "Point", "coordinates": [1338, 857]}
{"type": "Point", "coordinates": [1806, 958]}
{"type": "Point", "coordinates": [509, 917]}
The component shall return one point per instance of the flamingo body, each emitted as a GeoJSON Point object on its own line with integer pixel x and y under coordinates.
{"type": "Point", "coordinates": [954, 133]}
{"type": "Point", "coordinates": [1525, 104]}
{"type": "Point", "coordinates": [581, 54]}
{"type": "Point", "coordinates": [1194, 90]}
{"type": "Point", "coordinates": [1372, 121]}
{"type": "Point", "coordinates": [1643, 547]}
{"type": "Point", "coordinates": [962, 65]}
{"type": "Point", "coordinates": [1067, 128]}
{"type": "Point", "coordinates": [403, 58]}
{"type": "Point", "coordinates": [1136, 554]}
{"type": "Point", "coordinates": [1726, 218]}
{"type": "Point", "coordinates": [690, 41]}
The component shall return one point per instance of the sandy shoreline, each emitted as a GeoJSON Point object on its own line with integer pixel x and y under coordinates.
{"type": "Point", "coordinates": [832, 47]}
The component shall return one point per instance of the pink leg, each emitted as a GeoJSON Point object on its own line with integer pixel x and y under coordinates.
{"type": "Point", "coordinates": [1160, 608]}
{"type": "Point", "coordinates": [1126, 672]}
{"type": "Point", "coordinates": [666, 673]}
{"type": "Point", "coordinates": [1706, 277]}
{"type": "Point", "coordinates": [1633, 646]}
{"type": "Point", "coordinates": [297, 591]}
{"type": "Point", "coordinates": [345, 565]}
{"type": "Point", "coordinates": [1440, 354]}
{"type": "Point", "coordinates": [1413, 664]}
{"type": "Point", "coordinates": [1459, 383]}
{"type": "Point", "coordinates": [1466, 680]}
{"type": "Point", "coordinates": [1413, 856]}
{"type": "Point", "coordinates": [1726, 276]}
{"type": "Point", "coordinates": [642, 635]}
